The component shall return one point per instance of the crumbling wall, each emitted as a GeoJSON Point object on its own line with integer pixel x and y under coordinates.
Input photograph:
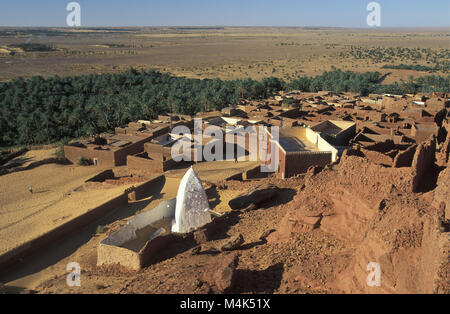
{"type": "Point", "coordinates": [353, 169]}
{"type": "Point", "coordinates": [443, 155]}
{"type": "Point", "coordinates": [382, 146]}
{"type": "Point", "coordinates": [434, 257]}
{"type": "Point", "coordinates": [377, 157]}
{"type": "Point", "coordinates": [405, 158]}
{"type": "Point", "coordinates": [423, 159]}
{"type": "Point", "coordinates": [442, 191]}
{"type": "Point", "coordinates": [300, 162]}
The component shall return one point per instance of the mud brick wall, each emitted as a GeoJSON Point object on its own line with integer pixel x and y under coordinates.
{"type": "Point", "coordinates": [142, 191]}
{"type": "Point", "coordinates": [405, 158]}
{"type": "Point", "coordinates": [142, 166]}
{"type": "Point", "coordinates": [383, 146]}
{"type": "Point", "coordinates": [434, 256]}
{"type": "Point", "coordinates": [421, 135]}
{"type": "Point", "coordinates": [120, 131]}
{"type": "Point", "coordinates": [356, 171]}
{"type": "Point", "coordinates": [156, 151]}
{"type": "Point", "coordinates": [102, 176]}
{"type": "Point", "coordinates": [292, 113]}
{"type": "Point", "coordinates": [150, 253]}
{"type": "Point", "coordinates": [423, 159]}
{"type": "Point", "coordinates": [120, 156]}
{"type": "Point", "coordinates": [105, 158]}
{"type": "Point", "coordinates": [376, 157]}
{"type": "Point", "coordinates": [254, 173]}
{"type": "Point", "coordinates": [31, 247]}
{"type": "Point", "coordinates": [343, 137]}
{"type": "Point", "coordinates": [160, 131]}
{"type": "Point", "coordinates": [299, 163]}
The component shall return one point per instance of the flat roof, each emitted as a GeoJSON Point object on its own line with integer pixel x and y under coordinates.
{"type": "Point", "coordinates": [291, 144]}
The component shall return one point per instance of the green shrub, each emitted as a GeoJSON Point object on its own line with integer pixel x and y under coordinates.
{"type": "Point", "coordinates": [84, 162]}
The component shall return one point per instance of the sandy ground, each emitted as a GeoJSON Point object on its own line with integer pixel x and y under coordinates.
{"type": "Point", "coordinates": [50, 205]}
{"type": "Point", "coordinates": [228, 53]}
{"type": "Point", "coordinates": [25, 215]}
{"type": "Point", "coordinates": [32, 156]}
{"type": "Point", "coordinates": [53, 262]}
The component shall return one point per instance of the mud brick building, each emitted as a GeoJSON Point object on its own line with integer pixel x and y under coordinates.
{"type": "Point", "coordinates": [110, 150]}
{"type": "Point", "coordinates": [337, 133]}
{"type": "Point", "coordinates": [156, 157]}
{"type": "Point", "coordinates": [300, 148]}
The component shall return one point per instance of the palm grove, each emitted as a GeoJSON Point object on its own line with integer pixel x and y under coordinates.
{"type": "Point", "coordinates": [39, 110]}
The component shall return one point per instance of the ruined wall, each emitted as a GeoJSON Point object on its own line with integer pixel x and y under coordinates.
{"type": "Point", "coordinates": [161, 131]}
{"type": "Point", "coordinates": [442, 191]}
{"type": "Point", "coordinates": [383, 146]}
{"type": "Point", "coordinates": [292, 113]}
{"type": "Point", "coordinates": [376, 157]}
{"type": "Point", "coordinates": [343, 137]}
{"type": "Point", "coordinates": [434, 257]}
{"type": "Point", "coordinates": [150, 253]}
{"type": "Point", "coordinates": [423, 159]}
{"type": "Point", "coordinates": [299, 163]}
{"type": "Point", "coordinates": [356, 169]}
{"type": "Point", "coordinates": [405, 158]}
{"type": "Point", "coordinates": [422, 134]}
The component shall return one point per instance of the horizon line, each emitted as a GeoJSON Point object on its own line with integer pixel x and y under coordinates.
{"type": "Point", "coordinates": [227, 26]}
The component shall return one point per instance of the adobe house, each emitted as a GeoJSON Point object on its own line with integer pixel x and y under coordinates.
{"type": "Point", "coordinates": [300, 148]}
{"type": "Point", "coordinates": [156, 157]}
{"type": "Point", "coordinates": [233, 112]}
{"type": "Point", "coordinates": [335, 132]}
{"type": "Point", "coordinates": [111, 150]}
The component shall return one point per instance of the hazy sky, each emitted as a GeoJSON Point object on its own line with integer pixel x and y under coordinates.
{"type": "Point", "coordinates": [336, 13]}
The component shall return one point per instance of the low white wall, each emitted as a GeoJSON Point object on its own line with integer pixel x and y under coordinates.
{"type": "Point", "coordinates": [164, 210]}
{"type": "Point", "coordinates": [311, 136]}
{"type": "Point", "coordinates": [322, 144]}
{"type": "Point", "coordinates": [109, 251]}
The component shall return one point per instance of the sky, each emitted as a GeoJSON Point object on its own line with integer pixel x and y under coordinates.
{"type": "Point", "coordinates": [326, 13]}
